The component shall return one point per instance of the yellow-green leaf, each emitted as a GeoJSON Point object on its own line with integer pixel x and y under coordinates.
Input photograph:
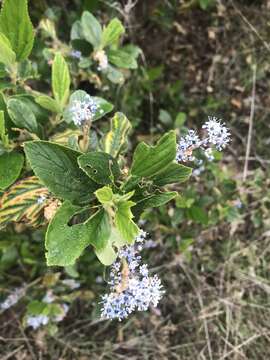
{"type": "Point", "coordinates": [22, 202]}
{"type": "Point", "coordinates": [104, 195]}
{"type": "Point", "coordinates": [112, 32]}
{"type": "Point", "coordinates": [7, 55]}
{"type": "Point", "coordinates": [116, 138]}
{"type": "Point", "coordinates": [60, 80]}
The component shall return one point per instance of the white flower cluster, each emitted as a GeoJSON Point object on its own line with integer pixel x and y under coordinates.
{"type": "Point", "coordinates": [12, 299]}
{"type": "Point", "coordinates": [83, 110]}
{"type": "Point", "coordinates": [132, 288]}
{"type": "Point", "coordinates": [218, 136]}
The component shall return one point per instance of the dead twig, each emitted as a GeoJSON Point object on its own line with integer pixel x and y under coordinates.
{"type": "Point", "coordinates": [250, 128]}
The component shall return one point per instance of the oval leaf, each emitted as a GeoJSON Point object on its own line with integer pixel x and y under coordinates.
{"type": "Point", "coordinates": [100, 167]}
{"type": "Point", "coordinates": [22, 115]}
{"type": "Point", "coordinates": [112, 32]}
{"type": "Point", "coordinates": [57, 168]}
{"type": "Point", "coordinates": [7, 55]}
{"type": "Point", "coordinates": [16, 25]}
{"type": "Point", "coordinates": [65, 243]}
{"type": "Point", "coordinates": [91, 29]}
{"type": "Point", "coordinates": [10, 168]}
{"type": "Point", "coordinates": [48, 103]}
{"type": "Point", "coordinates": [60, 80]}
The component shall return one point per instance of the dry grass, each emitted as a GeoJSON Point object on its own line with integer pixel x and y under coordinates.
{"type": "Point", "coordinates": [217, 306]}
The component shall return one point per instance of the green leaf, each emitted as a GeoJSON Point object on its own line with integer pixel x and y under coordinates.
{"type": "Point", "coordinates": [107, 255]}
{"type": "Point", "coordinates": [57, 168]}
{"type": "Point", "coordinates": [76, 31]}
{"type": "Point", "coordinates": [122, 59]}
{"type": "Point", "coordinates": [130, 183]}
{"type": "Point", "coordinates": [124, 223]}
{"type": "Point", "coordinates": [22, 116]}
{"type": "Point", "coordinates": [150, 160]}
{"type": "Point", "coordinates": [180, 120]}
{"type": "Point", "coordinates": [48, 103]}
{"type": "Point", "coordinates": [104, 195]}
{"type": "Point", "coordinates": [174, 173]}
{"type": "Point", "coordinates": [91, 29]}
{"type": "Point", "coordinates": [204, 4]}
{"type": "Point", "coordinates": [10, 168]}
{"type": "Point", "coordinates": [155, 200]}
{"type": "Point", "coordinates": [116, 138]}
{"type": "Point", "coordinates": [60, 80]}
{"type": "Point", "coordinates": [7, 55]}
{"type": "Point", "coordinates": [198, 214]}
{"type": "Point", "coordinates": [133, 50]}
{"type": "Point", "coordinates": [16, 25]}
{"type": "Point", "coordinates": [100, 167]}
{"type": "Point", "coordinates": [114, 75]}
{"type": "Point", "coordinates": [40, 114]}
{"type": "Point", "coordinates": [36, 307]}
{"type": "Point", "coordinates": [3, 134]}
{"type": "Point", "coordinates": [104, 106]}
{"type": "Point", "coordinates": [21, 202]}
{"type": "Point", "coordinates": [65, 243]}
{"type": "Point", "coordinates": [112, 32]}
{"type": "Point", "coordinates": [165, 117]}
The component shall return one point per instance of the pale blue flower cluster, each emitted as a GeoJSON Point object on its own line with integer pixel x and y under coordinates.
{"type": "Point", "coordinates": [41, 199]}
{"type": "Point", "coordinates": [218, 136]}
{"type": "Point", "coordinates": [71, 283]}
{"type": "Point", "coordinates": [83, 110]}
{"type": "Point", "coordinates": [13, 298]}
{"type": "Point", "coordinates": [186, 146]}
{"type": "Point", "coordinates": [76, 54]}
{"type": "Point", "coordinates": [218, 133]}
{"type": "Point", "coordinates": [131, 286]}
{"type": "Point", "coordinates": [36, 321]}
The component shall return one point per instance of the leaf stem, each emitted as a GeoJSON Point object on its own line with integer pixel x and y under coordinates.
{"type": "Point", "coordinates": [85, 140]}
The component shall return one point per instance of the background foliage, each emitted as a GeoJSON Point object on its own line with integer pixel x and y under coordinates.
{"type": "Point", "coordinates": [211, 244]}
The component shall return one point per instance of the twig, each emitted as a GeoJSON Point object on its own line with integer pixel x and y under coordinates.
{"type": "Point", "coordinates": [252, 28]}
{"type": "Point", "coordinates": [251, 117]}
{"type": "Point", "coordinates": [246, 342]}
{"type": "Point", "coordinates": [27, 342]}
{"type": "Point", "coordinates": [11, 354]}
